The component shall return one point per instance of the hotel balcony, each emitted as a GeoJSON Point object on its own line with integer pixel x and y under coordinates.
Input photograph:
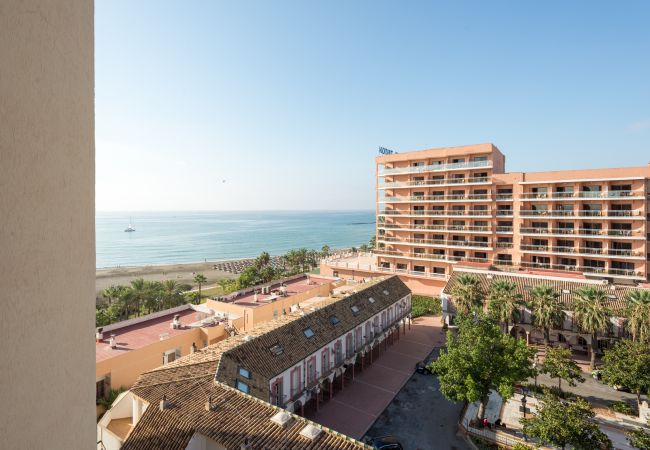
{"type": "Point", "coordinates": [433, 183]}
{"type": "Point", "coordinates": [436, 213]}
{"type": "Point", "coordinates": [477, 245]}
{"type": "Point", "coordinates": [440, 228]}
{"type": "Point", "coordinates": [428, 256]}
{"type": "Point", "coordinates": [436, 168]}
{"type": "Point", "coordinates": [582, 251]}
{"type": "Point", "coordinates": [583, 233]}
{"type": "Point", "coordinates": [415, 273]}
{"type": "Point", "coordinates": [583, 214]}
{"type": "Point", "coordinates": [503, 197]}
{"type": "Point", "coordinates": [597, 271]}
{"type": "Point", "coordinates": [583, 195]}
{"type": "Point", "coordinates": [437, 198]}
{"type": "Point", "coordinates": [503, 230]}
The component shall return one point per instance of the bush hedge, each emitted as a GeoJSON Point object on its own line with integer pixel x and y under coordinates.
{"type": "Point", "coordinates": [423, 306]}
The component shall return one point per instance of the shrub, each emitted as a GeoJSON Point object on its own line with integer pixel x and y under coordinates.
{"type": "Point", "coordinates": [623, 408]}
{"type": "Point", "coordinates": [423, 305]}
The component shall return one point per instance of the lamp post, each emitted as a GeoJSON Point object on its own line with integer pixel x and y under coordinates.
{"type": "Point", "coordinates": [535, 370]}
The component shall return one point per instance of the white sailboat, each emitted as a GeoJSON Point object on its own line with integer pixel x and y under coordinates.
{"type": "Point", "coordinates": [130, 228]}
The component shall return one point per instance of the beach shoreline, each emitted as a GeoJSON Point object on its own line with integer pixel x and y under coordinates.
{"type": "Point", "coordinates": [180, 272]}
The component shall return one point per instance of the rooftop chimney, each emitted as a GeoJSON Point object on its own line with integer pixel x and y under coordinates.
{"type": "Point", "coordinates": [176, 323]}
{"type": "Point", "coordinates": [246, 445]}
{"type": "Point", "coordinates": [112, 342]}
{"type": "Point", "coordinates": [208, 404]}
{"type": "Point", "coordinates": [163, 403]}
{"type": "Point", "coordinates": [193, 348]}
{"type": "Point", "coordinates": [99, 335]}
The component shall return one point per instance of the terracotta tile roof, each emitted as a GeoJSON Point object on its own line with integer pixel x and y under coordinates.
{"type": "Point", "coordinates": [190, 380]}
{"type": "Point", "coordinates": [566, 287]}
{"type": "Point", "coordinates": [235, 416]}
{"type": "Point", "coordinates": [255, 355]}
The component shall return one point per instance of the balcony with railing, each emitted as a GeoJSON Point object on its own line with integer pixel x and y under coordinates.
{"type": "Point", "coordinates": [503, 229]}
{"type": "Point", "coordinates": [582, 195]}
{"type": "Point", "coordinates": [589, 270]}
{"type": "Point", "coordinates": [435, 242]}
{"type": "Point", "coordinates": [583, 232]}
{"type": "Point", "coordinates": [582, 214]}
{"type": "Point", "coordinates": [435, 168]}
{"type": "Point", "coordinates": [429, 256]}
{"type": "Point", "coordinates": [440, 228]}
{"type": "Point", "coordinates": [436, 213]}
{"type": "Point", "coordinates": [583, 251]}
{"type": "Point", "coordinates": [432, 182]}
{"type": "Point", "coordinates": [503, 197]}
{"type": "Point", "coordinates": [435, 198]}
{"type": "Point", "coordinates": [414, 273]}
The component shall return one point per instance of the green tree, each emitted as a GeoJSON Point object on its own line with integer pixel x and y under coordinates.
{"type": "Point", "coordinates": [480, 359]}
{"type": "Point", "coordinates": [172, 293]}
{"type": "Point", "coordinates": [547, 310]}
{"type": "Point", "coordinates": [200, 279]}
{"type": "Point", "coordinates": [138, 294]}
{"type": "Point", "coordinates": [262, 261]}
{"type": "Point", "coordinates": [638, 314]}
{"type": "Point", "coordinates": [504, 302]}
{"type": "Point", "coordinates": [249, 277]}
{"type": "Point", "coordinates": [267, 274]}
{"type": "Point", "coordinates": [363, 248]}
{"type": "Point", "coordinates": [112, 293]}
{"type": "Point", "coordinates": [639, 438]}
{"type": "Point", "coordinates": [467, 293]}
{"type": "Point", "coordinates": [628, 364]}
{"type": "Point", "coordinates": [592, 315]}
{"type": "Point", "coordinates": [373, 242]}
{"type": "Point", "coordinates": [561, 423]}
{"type": "Point", "coordinates": [559, 364]}
{"type": "Point", "coordinates": [325, 251]}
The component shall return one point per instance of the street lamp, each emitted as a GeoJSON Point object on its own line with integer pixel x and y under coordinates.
{"type": "Point", "coordinates": [535, 371]}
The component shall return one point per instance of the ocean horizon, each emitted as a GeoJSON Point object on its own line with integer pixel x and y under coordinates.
{"type": "Point", "coordinates": [168, 237]}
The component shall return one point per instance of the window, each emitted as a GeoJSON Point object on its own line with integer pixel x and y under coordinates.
{"type": "Point", "coordinates": [308, 332]}
{"type": "Point", "coordinates": [334, 320]}
{"type": "Point", "coordinates": [276, 349]}
{"type": "Point", "coordinates": [295, 381]}
{"type": "Point", "coordinates": [325, 361]}
{"type": "Point", "coordinates": [355, 309]}
{"type": "Point", "coordinates": [242, 386]}
{"type": "Point", "coordinates": [386, 292]}
{"type": "Point", "coordinates": [371, 300]}
{"type": "Point", "coordinates": [101, 388]}
{"type": "Point", "coordinates": [245, 373]}
{"type": "Point", "coordinates": [277, 392]}
{"type": "Point", "coordinates": [171, 356]}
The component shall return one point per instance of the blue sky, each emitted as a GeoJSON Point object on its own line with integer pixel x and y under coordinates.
{"type": "Point", "coordinates": [240, 105]}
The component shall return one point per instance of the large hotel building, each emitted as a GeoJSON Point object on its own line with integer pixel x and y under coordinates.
{"type": "Point", "coordinates": [457, 206]}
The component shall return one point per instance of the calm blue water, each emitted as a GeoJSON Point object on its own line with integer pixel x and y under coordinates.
{"type": "Point", "coordinates": [168, 237]}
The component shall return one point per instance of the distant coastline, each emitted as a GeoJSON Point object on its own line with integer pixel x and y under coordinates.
{"type": "Point", "coordinates": [163, 238]}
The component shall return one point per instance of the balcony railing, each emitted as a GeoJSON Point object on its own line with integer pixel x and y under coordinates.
{"type": "Point", "coordinates": [582, 232]}
{"type": "Point", "coordinates": [580, 195]}
{"type": "Point", "coordinates": [586, 269]}
{"type": "Point", "coordinates": [580, 213]}
{"type": "Point", "coordinates": [435, 213]}
{"type": "Point", "coordinates": [504, 244]}
{"type": "Point", "coordinates": [391, 239]}
{"type": "Point", "coordinates": [504, 212]}
{"type": "Point", "coordinates": [430, 256]}
{"type": "Point", "coordinates": [503, 197]}
{"type": "Point", "coordinates": [436, 167]}
{"type": "Point", "coordinates": [415, 273]}
{"type": "Point", "coordinates": [431, 198]}
{"type": "Point", "coordinates": [503, 229]}
{"type": "Point", "coordinates": [441, 228]}
{"type": "Point", "coordinates": [432, 182]}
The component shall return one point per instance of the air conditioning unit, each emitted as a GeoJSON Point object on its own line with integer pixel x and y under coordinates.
{"type": "Point", "coordinates": [605, 282]}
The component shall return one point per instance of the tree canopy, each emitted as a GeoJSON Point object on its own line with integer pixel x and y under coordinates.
{"type": "Point", "coordinates": [628, 364]}
{"type": "Point", "coordinates": [467, 293]}
{"type": "Point", "coordinates": [480, 359]}
{"type": "Point", "coordinates": [561, 423]}
{"type": "Point", "coordinates": [559, 364]}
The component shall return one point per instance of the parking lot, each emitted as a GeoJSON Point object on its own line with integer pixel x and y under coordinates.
{"type": "Point", "coordinates": [421, 418]}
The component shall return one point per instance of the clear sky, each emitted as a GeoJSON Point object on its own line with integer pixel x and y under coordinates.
{"type": "Point", "coordinates": [240, 105]}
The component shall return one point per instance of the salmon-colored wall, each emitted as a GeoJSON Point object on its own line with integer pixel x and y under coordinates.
{"type": "Point", "coordinates": [125, 368]}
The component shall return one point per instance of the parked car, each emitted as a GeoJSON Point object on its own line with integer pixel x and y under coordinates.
{"type": "Point", "coordinates": [384, 443]}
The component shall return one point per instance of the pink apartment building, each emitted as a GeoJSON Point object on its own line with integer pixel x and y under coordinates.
{"type": "Point", "coordinates": [447, 207]}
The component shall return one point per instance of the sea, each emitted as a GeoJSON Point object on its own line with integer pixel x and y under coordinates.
{"type": "Point", "coordinates": [184, 237]}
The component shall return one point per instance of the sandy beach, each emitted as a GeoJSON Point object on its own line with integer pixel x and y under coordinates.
{"type": "Point", "coordinates": [183, 273]}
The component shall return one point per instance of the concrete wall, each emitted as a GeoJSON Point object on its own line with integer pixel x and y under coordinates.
{"type": "Point", "coordinates": [47, 225]}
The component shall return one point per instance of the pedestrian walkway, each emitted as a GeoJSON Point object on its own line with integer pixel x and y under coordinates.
{"type": "Point", "coordinates": [354, 410]}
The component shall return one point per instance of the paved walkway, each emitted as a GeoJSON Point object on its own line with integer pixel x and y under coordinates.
{"type": "Point", "coordinates": [354, 410]}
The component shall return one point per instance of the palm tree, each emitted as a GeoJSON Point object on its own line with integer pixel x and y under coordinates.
{"type": "Point", "coordinates": [200, 279]}
{"type": "Point", "coordinates": [592, 315]}
{"type": "Point", "coordinates": [138, 293]}
{"type": "Point", "coordinates": [171, 294]}
{"type": "Point", "coordinates": [153, 300]}
{"type": "Point", "coordinates": [547, 310]}
{"type": "Point", "coordinates": [373, 242]}
{"type": "Point", "coordinates": [262, 261]}
{"type": "Point", "coordinates": [111, 293]}
{"type": "Point", "coordinates": [467, 293]}
{"type": "Point", "coordinates": [505, 302]}
{"type": "Point", "coordinates": [638, 314]}
{"type": "Point", "coordinates": [325, 251]}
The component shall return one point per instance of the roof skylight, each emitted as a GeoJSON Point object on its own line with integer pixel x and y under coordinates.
{"type": "Point", "coordinates": [276, 349]}
{"type": "Point", "coordinates": [308, 332]}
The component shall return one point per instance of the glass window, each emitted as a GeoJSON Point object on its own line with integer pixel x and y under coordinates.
{"type": "Point", "coordinates": [276, 349]}
{"type": "Point", "coordinates": [355, 309]}
{"type": "Point", "coordinates": [242, 386]}
{"type": "Point", "coordinates": [245, 373]}
{"type": "Point", "coordinates": [334, 320]}
{"type": "Point", "coordinates": [308, 332]}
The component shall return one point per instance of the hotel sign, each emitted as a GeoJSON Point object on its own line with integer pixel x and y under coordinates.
{"type": "Point", "coordinates": [385, 151]}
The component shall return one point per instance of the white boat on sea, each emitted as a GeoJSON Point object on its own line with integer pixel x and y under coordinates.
{"type": "Point", "coordinates": [130, 228]}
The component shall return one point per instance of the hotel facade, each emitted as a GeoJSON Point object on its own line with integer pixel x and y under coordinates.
{"type": "Point", "coordinates": [448, 207]}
